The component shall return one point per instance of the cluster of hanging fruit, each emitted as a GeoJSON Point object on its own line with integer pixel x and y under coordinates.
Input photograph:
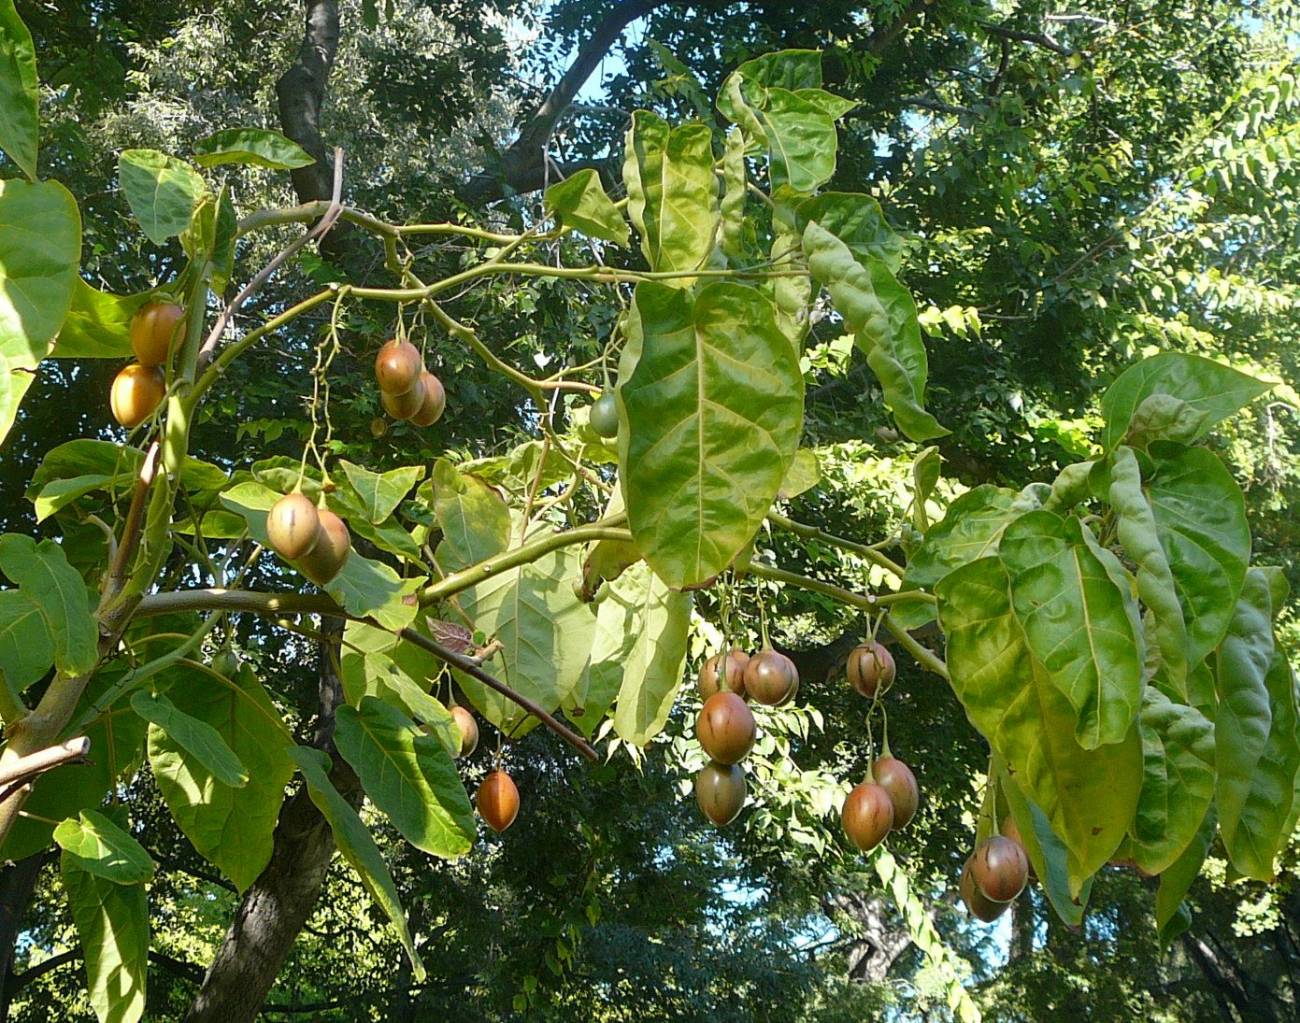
{"type": "Point", "coordinates": [726, 728]}
{"type": "Point", "coordinates": [139, 389]}
{"type": "Point", "coordinates": [310, 537]}
{"type": "Point", "coordinates": [406, 389]}
{"type": "Point", "coordinates": [887, 800]}
{"type": "Point", "coordinates": [995, 874]}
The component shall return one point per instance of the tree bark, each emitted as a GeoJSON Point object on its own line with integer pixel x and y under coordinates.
{"type": "Point", "coordinates": [17, 883]}
{"type": "Point", "coordinates": [275, 908]}
{"type": "Point", "coordinates": [301, 94]}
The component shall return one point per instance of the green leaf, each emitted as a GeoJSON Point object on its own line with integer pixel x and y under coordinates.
{"type": "Point", "coordinates": [1088, 796]}
{"type": "Point", "coordinates": [971, 529]}
{"type": "Point", "coordinates": [26, 650]}
{"type": "Point", "coordinates": [408, 775]}
{"type": "Point", "coordinates": [804, 474]}
{"type": "Point", "coordinates": [1177, 780]}
{"type": "Point", "coordinates": [38, 271]}
{"type": "Point", "coordinates": [256, 147]}
{"type": "Point", "coordinates": [19, 91]}
{"type": "Point", "coordinates": [475, 520]}
{"type": "Point", "coordinates": [545, 632]}
{"type": "Point", "coordinates": [801, 138]}
{"type": "Point", "coordinates": [1200, 517]}
{"type": "Point", "coordinates": [98, 324]}
{"type": "Point", "coordinates": [93, 843]}
{"type": "Point", "coordinates": [231, 827]}
{"type": "Point", "coordinates": [858, 222]}
{"type": "Point", "coordinates": [737, 238]}
{"type": "Point", "coordinates": [1047, 854]}
{"type": "Point", "coordinates": [712, 398]}
{"type": "Point", "coordinates": [161, 191]}
{"type": "Point", "coordinates": [1172, 917]}
{"type": "Point", "coordinates": [200, 740]}
{"type": "Point", "coordinates": [1210, 390]}
{"type": "Point", "coordinates": [388, 535]}
{"type": "Point", "coordinates": [225, 233]}
{"type": "Point", "coordinates": [925, 476]}
{"type": "Point", "coordinates": [112, 922]}
{"type": "Point", "coordinates": [653, 665]}
{"type": "Point", "coordinates": [792, 293]}
{"type": "Point", "coordinates": [787, 69]}
{"type": "Point", "coordinates": [356, 845]}
{"type": "Point", "coordinates": [381, 493]}
{"type": "Point", "coordinates": [42, 572]}
{"type": "Point", "coordinates": [672, 192]}
{"type": "Point", "coordinates": [580, 202]}
{"type": "Point", "coordinates": [1137, 531]}
{"type": "Point", "coordinates": [1072, 599]}
{"type": "Point", "coordinates": [882, 316]}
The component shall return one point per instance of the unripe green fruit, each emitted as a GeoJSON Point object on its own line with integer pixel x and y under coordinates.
{"type": "Point", "coordinates": [292, 526]}
{"type": "Point", "coordinates": [720, 792]}
{"type": "Point", "coordinates": [604, 415]}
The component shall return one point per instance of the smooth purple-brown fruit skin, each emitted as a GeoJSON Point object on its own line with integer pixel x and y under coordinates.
{"type": "Point", "coordinates": [726, 728]}
{"type": "Point", "coordinates": [771, 678]}
{"type": "Point", "coordinates": [896, 778]}
{"type": "Point", "coordinates": [398, 366]}
{"type": "Point", "coordinates": [333, 545]}
{"type": "Point", "coordinates": [871, 669]}
{"type": "Point", "coordinates": [405, 405]}
{"type": "Point", "coordinates": [435, 400]}
{"type": "Point", "coordinates": [468, 730]}
{"type": "Point", "coordinates": [152, 329]}
{"type": "Point", "coordinates": [736, 659]}
{"type": "Point", "coordinates": [498, 800]}
{"type": "Point", "coordinates": [1011, 830]}
{"type": "Point", "coordinates": [137, 391]}
{"type": "Point", "coordinates": [720, 792]}
{"type": "Point", "coordinates": [867, 816]}
{"type": "Point", "coordinates": [293, 526]}
{"type": "Point", "coordinates": [1000, 868]}
{"type": "Point", "coordinates": [980, 906]}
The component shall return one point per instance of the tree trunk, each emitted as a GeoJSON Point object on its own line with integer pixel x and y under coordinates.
{"type": "Point", "coordinates": [275, 908]}
{"type": "Point", "coordinates": [17, 883]}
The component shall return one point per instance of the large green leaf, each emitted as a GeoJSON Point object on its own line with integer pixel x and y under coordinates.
{"type": "Point", "coordinates": [112, 922]}
{"type": "Point", "coordinates": [197, 738]}
{"type": "Point", "coordinates": [970, 529]}
{"type": "Point", "coordinates": [58, 494]}
{"type": "Point", "coordinates": [1136, 527]}
{"type": "Point", "coordinates": [1172, 917]}
{"type": "Point", "coordinates": [256, 147]}
{"type": "Point", "coordinates": [43, 574]}
{"type": "Point", "coordinates": [356, 845]}
{"type": "Point", "coordinates": [653, 664]}
{"type": "Point", "coordinates": [1209, 390]}
{"type": "Point", "coordinates": [1200, 518]}
{"type": "Point", "coordinates": [1072, 598]}
{"type": "Point", "coordinates": [1088, 796]}
{"type": "Point", "coordinates": [408, 775]}
{"type": "Point", "coordinates": [711, 407]}
{"type": "Point", "coordinates": [857, 221]}
{"type": "Point", "coordinates": [580, 202]}
{"type": "Point", "coordinates": [93, 843]}
{"type": "Point", "coordinates": [161, 191]}
{"type": "Point", "coordinates": [475, 520]}
{"type": "Point", "coordinates": [19, 91]}
{"type": "Point", "coordinates": [40, 248]}
{"type": "Point", "coordinates": [1177, 780]}
{"type": "Point", "coordinates": [232, 827]}
{"type": "Point", "coordinates": [801, 138]}
{"type": "Point", "coordinates": [545, 634]}
{"type": "Point", "coordinates": [882, 316]}
{"type": "Point", "coordinates": [381, 493]}
{"type": "Point", "coordinates": [672, 193]}
{"type": "Point", "coordinates": [26, 650]}
{"type": "Point", "coordinates": [737, 237]}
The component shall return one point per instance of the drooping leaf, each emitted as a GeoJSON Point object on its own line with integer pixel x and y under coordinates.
{"type": "Point", "coordinates": [408, 775]}
{"type": "Point", "coordinates": [1172, 916]}
{"type": "Point", "coordinates": [1210, 390]}
{"type": "Point", "coordinates": [1088, 796]}
{"type": "Point", "coordinates": [93, 843]}
{"type": "Point", "coordinates": [161, 191]}
{"type": "Point", "coordinates": [38, 272]}
{"type": "Point", "coordinates": [112, 922]}
{"type": "Point", "coordinates": [737, 238]}
{"type": "Point", "coordinates": [26, 650]}
{"type": "Point", "coordinates": [1177, 780]}
{"type": "Point", "coordinates": [356, 845]}
{"type": "Point", "coordinates": [19, 91]}
{"type": "Point", "coordinates": [857, 221]}
{"type": "Point", "coordinates": [713, 401]}
{"type": "Point", "coordinates": [580, 202]}
{"type": "Point", "coordinates": [381, 493]}
{"type": "Point", "coordinates": [43, 574]}
{"type": "Point", "coordinates": [925, 475]}
{"type": "Point", "coordinates": [256, 147]}
{"type": "Point", "coordinates": [801, 138]}
{"type": "Point", "coordinates": [1200, 518]}
{"type": "Point", "coordinates": [672, 193]}
{"type": "Point", "coordinates": [653, 665]}
{"type": "Point", "coordinates": [791, 292]}
{"type": "Point", "coordinates": [231, 827]}
{"type": "Point", "coordinates": [1072, 599]}
{"type": "Point", "coordinates": [197, 738]}
{"type": "Point", "coordinates": [475, 520]}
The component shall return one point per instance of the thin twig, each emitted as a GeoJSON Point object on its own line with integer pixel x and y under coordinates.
{"type": "Point", "coordinates": [133, 528]}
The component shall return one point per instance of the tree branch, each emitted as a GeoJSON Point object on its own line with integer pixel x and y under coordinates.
{"type": "Point", "coordinates": [25, 768]}
{"type": "Point", "coordinates": [300, 92]}
{"type": "Point", "coordinates": [1036, 38]}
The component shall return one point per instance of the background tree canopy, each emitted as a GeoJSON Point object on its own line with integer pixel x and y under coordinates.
{"type": "Point", "coordinates": [1066, 192]}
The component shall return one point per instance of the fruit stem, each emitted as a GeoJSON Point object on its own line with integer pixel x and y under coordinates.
{"type": "Point", "coordinates": [870, 553]}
